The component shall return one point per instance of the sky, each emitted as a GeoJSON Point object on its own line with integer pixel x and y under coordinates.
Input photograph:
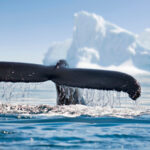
{"type": "Point", "coordinates": [29, 27]}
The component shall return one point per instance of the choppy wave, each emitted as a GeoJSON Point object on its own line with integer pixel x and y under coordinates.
{"type": "Point", "coordinates": [82, 132]}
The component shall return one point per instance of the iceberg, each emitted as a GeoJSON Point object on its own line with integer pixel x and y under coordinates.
{"type": "Point", "coordinates": [97, 43]}
{"type": "Point", "coordinates": [144, 38]}
{"type": "Point", "coordinates": [57, 51]}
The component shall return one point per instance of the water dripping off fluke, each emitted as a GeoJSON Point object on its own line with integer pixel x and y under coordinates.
{"type": "Point", "coordinates": [104, 98]}
{"type": "Point", "coordinates": [10, 91]}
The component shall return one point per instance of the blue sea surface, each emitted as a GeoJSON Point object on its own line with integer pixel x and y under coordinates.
{"type": "Point", "coordinates": [32, 121]}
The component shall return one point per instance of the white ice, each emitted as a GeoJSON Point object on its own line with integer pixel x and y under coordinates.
{"type": "Point", "coordinates": [98, 43]}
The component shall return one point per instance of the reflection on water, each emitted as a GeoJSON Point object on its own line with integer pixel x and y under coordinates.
{"type": "Point", "coordinates": [29, 119]}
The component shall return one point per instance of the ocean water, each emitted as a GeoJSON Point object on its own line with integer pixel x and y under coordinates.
{"type": "Point", "coordinates": [30, 119]}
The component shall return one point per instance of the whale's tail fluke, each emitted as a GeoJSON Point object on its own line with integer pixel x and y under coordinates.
{"type": "Point", "coordinates": [98, 79]}
{"type": "Point", "coordinates": [23, 72]}
{"type": "Point", "coordinates": [82, 78]}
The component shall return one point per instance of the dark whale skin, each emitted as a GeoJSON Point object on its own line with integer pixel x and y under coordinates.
{"type": "Point", "coordinates": [61, 75]}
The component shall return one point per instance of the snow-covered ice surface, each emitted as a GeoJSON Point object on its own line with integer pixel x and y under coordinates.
{"type": "Point", "coordinates": [99, 43]}
{"type": "Point", "coordinates": [144, 38]}
{"type": "Point", "coordinates": [57, 51]}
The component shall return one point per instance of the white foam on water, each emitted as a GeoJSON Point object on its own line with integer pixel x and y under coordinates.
{"type": "Point", "coordinates": [72, 110]}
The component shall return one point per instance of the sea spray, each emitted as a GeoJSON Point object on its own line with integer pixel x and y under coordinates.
{"type": "Point", "coordinates": [8, 91]}
{"type": "Point", "coordinates": [97, 103]}
{"type": "Point", "coordinates": [24, 91]}
{"type": "Point", "coordinates": [104, 98]}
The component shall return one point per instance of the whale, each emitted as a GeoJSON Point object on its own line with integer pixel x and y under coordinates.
{"type": "Point", "coordinates": [68, 81]}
